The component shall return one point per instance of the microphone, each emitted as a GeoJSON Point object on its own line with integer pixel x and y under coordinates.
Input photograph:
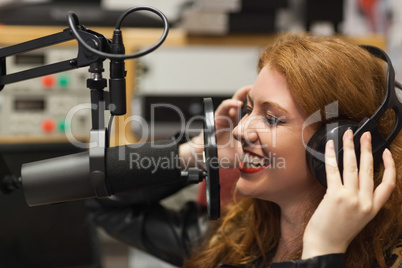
{"type": "Point", "coordinates": [68, 178]}
{"type": "Point", "coordinates": [152, 163]}
{"type": "Point", "coordinates": [126, 168]}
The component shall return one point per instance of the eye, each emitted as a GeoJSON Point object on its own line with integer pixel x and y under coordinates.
{"type": "Point", "coordinates": [245, 110]}
{"type": "Point", "coordinates": [248, 110]}
{"type": "Point", "coordinates": [273, 120]}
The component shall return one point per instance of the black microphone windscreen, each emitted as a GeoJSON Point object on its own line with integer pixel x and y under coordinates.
{"type": "Point", "coordinates": [136, 165]}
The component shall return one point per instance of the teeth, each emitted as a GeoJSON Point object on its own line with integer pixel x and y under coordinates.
{"type": "Point", "coordinates": [254, 161]}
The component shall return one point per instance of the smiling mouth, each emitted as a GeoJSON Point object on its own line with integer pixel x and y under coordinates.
{"type": "Point", "coordinates": [251, 163]}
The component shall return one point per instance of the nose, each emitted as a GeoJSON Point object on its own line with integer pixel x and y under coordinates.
{"type": "Point", "coordinates": [246, 131]}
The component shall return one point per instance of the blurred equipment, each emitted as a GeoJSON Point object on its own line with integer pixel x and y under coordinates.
{"type": "Point", "coordinates": [330, 10]}
{"type": "Point", "coordinates": [38, 107]}
{"type": "Point", "coordinates": [231, 16]}
{"type": "Point", "coordinates": [54, 13]}
{"type": "Point", "coordinates": [172, 81]}
{"type": "Point", "coordinates": [171, 8]}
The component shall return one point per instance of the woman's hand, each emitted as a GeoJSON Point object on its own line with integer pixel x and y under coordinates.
{"type": "Point", "coordinates": [226, 118]}
{"type": "Point", "coordinates": [346, 208]}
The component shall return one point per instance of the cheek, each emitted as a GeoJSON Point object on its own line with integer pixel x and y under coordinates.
{"type": "Point", "coordinates": [296, 167]}
{"type": "Point", "coordinates": [287, 153]}
{"type": "Point", "coordinates": [289, 170]}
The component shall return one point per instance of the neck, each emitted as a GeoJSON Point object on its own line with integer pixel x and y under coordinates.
{"type": "Point", "coordinates": [291, 239]}
{"type": "Point", "coordinates": [293, 221]}
{"type": "Point", "coordinates": [291, 226]}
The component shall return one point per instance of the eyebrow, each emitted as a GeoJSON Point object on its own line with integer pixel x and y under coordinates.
{"type": "Point", "coordinates": [269, 104]}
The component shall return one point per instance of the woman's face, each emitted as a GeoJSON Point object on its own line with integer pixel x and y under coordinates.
{"type": "Point", "coordinates": [273, 163]}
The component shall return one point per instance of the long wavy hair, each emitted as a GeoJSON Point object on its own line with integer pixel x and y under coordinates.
{"type": "Point", "coordinates": [319, 71]}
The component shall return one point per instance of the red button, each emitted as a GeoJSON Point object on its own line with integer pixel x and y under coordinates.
{"type": "Point", "coordinates": [48, 125]}
{"type": "Point", "coordinates": [48, 81]}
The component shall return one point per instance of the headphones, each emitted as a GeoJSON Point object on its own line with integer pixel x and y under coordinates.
{"type": "Point", "coordinates": [315, 148]}
{"type": "Point", "coordinates": [334, 131]}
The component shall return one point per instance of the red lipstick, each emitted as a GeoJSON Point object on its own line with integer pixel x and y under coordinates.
{"type": "Point", "coordinates": [246, 169]}
{"type": "Point", "coordinates": [252, 165]}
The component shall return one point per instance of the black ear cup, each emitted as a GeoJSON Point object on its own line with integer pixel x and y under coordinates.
{"type": "Point", "coordinates": [315, 149]}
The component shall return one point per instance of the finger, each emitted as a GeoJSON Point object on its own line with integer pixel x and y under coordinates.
{"type": "Point", "coordinates": [226, 113]}
{"type": "Point", "coordinates": [366, 174]}
{"type": "Point", "coordinates": [387, 185]}
{"type": "Point", "coordinates": [350, 170]}
{"type": "Point", "coordinates": [226, 105]}
{"type": "Point", "coordinates": [331, 167]}
{"type": "Point", "coordinates": [241, 94]}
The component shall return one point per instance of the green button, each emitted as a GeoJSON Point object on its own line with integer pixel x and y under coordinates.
{"type": "Point", "coordinates": [61, 125]}
{"type": "Point", "coordinates": [63, 80]}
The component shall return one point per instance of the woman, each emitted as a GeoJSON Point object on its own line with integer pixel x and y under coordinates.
{"type": "Point", "coordinates": [285, 218]}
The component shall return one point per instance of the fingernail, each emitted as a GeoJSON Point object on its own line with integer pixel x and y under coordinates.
{"type": "Point", "coordinates": [368, 136]}
{"type": "Point", "coordinates": [388, 152]}
{"type": "Point", "coordinates": [330, 144]}
{"type": "Point", "coordinates": [349, 134]}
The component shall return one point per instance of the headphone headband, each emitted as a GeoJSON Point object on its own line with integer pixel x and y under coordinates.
{"type": "Point", "coordinates": [391, 101]}
{"type": "Point", "coordinates": [316, 145]}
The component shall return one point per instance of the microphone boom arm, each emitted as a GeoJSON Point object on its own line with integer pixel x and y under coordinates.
{"type": "Point", "coordinates": [84, 57]}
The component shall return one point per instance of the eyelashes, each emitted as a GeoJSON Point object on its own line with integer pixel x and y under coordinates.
{"type": "Point", "coordinates": [272, 120]}
{"type": "Point", "coordinates": [269, 118]}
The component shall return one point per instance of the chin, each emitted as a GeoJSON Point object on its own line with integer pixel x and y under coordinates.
{"type": "Point", "coordinates": [244, 188]}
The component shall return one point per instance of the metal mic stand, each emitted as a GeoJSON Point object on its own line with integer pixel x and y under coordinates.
{"type": "Point", "coordinates": [98, 141]}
